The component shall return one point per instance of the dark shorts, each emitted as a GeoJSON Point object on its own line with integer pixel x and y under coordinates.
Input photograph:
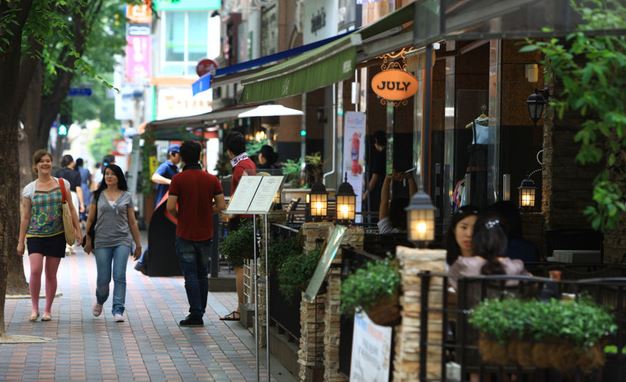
{"type": "Point", "coordinates": [53, 246]}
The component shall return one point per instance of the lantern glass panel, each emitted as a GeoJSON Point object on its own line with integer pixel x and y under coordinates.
{"type": "Point", "coordinates": [319, 205]}
{"type": "Point", "coordinates": [421, 225]}
{"type": "Point", "coordinates": [527, 196]}
{"type": "Point", "coordinates": [346, 207]}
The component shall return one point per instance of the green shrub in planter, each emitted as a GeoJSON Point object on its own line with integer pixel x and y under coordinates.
{"type": "Point", "coordinates": [364, 288]}
{"type": "Point", "coordinates": [280, 250]}
{"type": "Point", "coordinates": [581, 323]}
{"type": "Point", "coordinates": [238, 245]}
{"type": "Point", "coordinates": [295, 273]}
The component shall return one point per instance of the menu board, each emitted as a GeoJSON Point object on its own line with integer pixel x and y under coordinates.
{"type": "Point", "coordinates": [265, 193]}
{"type": "Point", "coordinates": [254, 195]}
{"type": "Point", "coordinates": [240, 201]}
{"type": "Point", "coordinates": [323, 265]}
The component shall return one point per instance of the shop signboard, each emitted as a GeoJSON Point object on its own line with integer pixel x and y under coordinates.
{"type": "Point", "coordinates": [394, 85]}
{"type": "Point", "coordinates": [354, 154]}
{"type": "Point", "coordinates": [371, 350]}
{"type": "Point", "coordinates": [187, 5]}
{"type": "Point", "coordinates": [180, 101]}
{"type": "Point", "coordinates": [139, 14]}
{"type": "Point", "coordinates": [138, 52]}
{"type": "Point", "coordinates": [320, 20]}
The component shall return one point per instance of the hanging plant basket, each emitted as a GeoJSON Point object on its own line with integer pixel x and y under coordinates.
{"type": "Point", "coordinates": [385, 311]}
{"type": "Point", "coordinates": [562, 356]}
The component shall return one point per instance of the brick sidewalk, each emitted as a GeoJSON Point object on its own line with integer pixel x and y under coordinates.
{"type": "Point", "coordinates": [149, 346]}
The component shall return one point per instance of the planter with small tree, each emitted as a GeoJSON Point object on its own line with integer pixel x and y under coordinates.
{"type": "Point", "coordinates": [563, 335]}
{"type": "Point", "coordinates": [295, 273]}
{"type": "Point", "coordinates": [376, 289]}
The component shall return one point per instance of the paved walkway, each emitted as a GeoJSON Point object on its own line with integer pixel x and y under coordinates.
{"type": "Point", "coordinates": [149, 346]}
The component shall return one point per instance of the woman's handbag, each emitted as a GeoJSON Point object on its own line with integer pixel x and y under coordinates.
{"type": "Point", "coordinates": [68, 227]}
{"type": "Point", "coordinates": [92, 229]}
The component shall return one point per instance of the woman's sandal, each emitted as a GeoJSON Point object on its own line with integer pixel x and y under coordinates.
{"type": "Point", "coordinates": [34, 317]}
{"type": "Point", "coordinates": [46, 317]}
{"type": "Point", "coordinates": [232, 316]}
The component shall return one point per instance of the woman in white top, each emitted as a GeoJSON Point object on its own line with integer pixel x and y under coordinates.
{"type": "Point", "coordinates": [41, 226]}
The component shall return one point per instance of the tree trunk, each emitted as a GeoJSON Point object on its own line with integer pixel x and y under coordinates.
{"type": "Point", "coordinates": [10, 104]}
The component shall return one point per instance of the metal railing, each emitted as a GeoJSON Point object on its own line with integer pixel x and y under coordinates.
{"type": "Point", "coordinates": [459, 342]}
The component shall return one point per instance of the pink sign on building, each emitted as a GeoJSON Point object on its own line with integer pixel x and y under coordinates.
{"type": "Point", "coordinates": [138, 51]}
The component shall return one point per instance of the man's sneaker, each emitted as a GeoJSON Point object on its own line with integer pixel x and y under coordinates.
{"type": "Point", "coordinates": [191, 321]}
{"type": "Point", "coordinates": [118, 317]}
{"type": "Point", "coordinates": [97, 310]}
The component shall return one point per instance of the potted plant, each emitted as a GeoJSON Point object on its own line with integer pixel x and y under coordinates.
{"type": "Point", "coordinates": [375, 288]}
{"type": "Point", "coordinates": [295, 273]}
{"type": "Point", "coordinates": [563, 335]}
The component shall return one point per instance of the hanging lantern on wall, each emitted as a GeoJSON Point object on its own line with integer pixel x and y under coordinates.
{"type": "Point", "coordinates": [318, 201]}
{"type": "Point", "coordinates": [536, 102]}
{"type": "Point", "coordinates": [527, 194]}
{"type": "Point", "coordinates": [346, 202]}
{"type": "Point", "coordinates": [420, 219]}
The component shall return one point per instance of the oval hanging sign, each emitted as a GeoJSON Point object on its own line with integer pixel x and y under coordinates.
{"type": "Point", "coordinates": [394, 85]}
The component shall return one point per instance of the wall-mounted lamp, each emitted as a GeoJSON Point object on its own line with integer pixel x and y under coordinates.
{"type": "Point", "coordinates": [318, 205]}
{"type": "Point", "coordinates": [527, 192]}
{"type": "Point", "coordinates": [420, 219]}
{"type": "Point", "coordinates": [536, 103]}
{"type": "Point", "coordinates": [346, 202]}
{"type": "Point", "coordinates": [531, 72]}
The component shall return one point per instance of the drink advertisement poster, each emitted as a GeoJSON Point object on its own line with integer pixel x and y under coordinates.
{"type": "Point", "coordinates": [371, 350]}
{"type": "Point", "coordinates": [354, 155]}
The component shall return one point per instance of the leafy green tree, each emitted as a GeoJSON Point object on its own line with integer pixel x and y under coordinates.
{"type": "Point", "coordinates": [590, 65]}
{"type": "Point", "coordinates": [41, 38]}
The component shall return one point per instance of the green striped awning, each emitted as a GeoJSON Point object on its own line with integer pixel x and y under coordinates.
{"type": "Point", "coordinates": [312, 70]}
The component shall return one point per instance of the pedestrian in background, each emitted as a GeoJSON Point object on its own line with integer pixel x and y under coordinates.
{"type": "Point", "coordinates": [85, 186]}
{"type": "Point", "coordinates": [194, 191]}
{"type": "Point", "coordinates": [69, 173]}
{"type": "Point", "coordinates": [163, 175]}
{"type": "Point", "coordinates": [268, 158]}
{"type": "Point", "coordinates": [114, 215]}
{"type": "Point", "coordinates": [235, 145]}
{"type": "Point", "coordinates": [41, 226]}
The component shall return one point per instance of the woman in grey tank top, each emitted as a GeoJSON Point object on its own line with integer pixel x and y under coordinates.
{"type": "Point", "coordinates": [112, 214]}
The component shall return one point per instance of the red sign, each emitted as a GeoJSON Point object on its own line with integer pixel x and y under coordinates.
{"type": "Point", "coordinates": [205, 66]}
{"type": "Point", "coordinates": [394, 85]}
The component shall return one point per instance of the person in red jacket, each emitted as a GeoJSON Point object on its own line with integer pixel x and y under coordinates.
{"type": "Point", "coordinates": [235, 145]}
{"type": "Point", "coordinates": [195, 191]}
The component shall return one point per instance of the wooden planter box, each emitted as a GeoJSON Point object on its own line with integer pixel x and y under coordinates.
{"type": "Point", "coordinates": [562, 356]}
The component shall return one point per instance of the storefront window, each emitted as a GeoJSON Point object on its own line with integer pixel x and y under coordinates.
{"type": "Point", "coordinates": [185, 41]}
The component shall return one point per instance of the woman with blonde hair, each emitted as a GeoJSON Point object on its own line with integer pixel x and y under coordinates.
{"type": "Point", "coordinates": [41, 229]}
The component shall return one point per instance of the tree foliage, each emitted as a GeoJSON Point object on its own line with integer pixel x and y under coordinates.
{"type": "Point", "coordinates": [590, 64]}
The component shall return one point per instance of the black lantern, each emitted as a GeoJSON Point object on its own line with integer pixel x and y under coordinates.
{"type": "Point", "coordinates": [536, 102]}
{"type": "Point", "coordinates": [346, 202]}
{"type": "Point", "coordinates": [318, 201]}
{"type": "Point", "coordinates": [527, 194]}
{"type": "Point", "coordinates": [420, 219]}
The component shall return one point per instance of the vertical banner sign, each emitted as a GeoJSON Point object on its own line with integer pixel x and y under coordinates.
{"type": "Point", "coordinates": [371, 350]}
{"type": "Point", "coordinates": [354, 154]}
{"type": "Point", "coordinates": [138, 63]}
{"type": "Point", "coordinates": [138, 53]}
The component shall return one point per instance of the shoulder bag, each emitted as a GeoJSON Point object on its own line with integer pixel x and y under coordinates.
{"type": "Point", "coordinates": [92, 228]}
{"type": "Point", "coordinates": [68, 227]}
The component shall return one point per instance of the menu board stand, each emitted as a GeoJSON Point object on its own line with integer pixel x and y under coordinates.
{"type": "Point", "coordinates": [255, 196]}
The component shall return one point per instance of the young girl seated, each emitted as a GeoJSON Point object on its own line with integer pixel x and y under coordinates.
{"type": "Point", "coordinates": [489, 244]}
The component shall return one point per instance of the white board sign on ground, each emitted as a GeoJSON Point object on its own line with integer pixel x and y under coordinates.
{"type": "Point", "coordinates": [371, 350]}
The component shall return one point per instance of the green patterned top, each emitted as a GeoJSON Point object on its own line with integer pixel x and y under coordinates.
{"type": "Point", "coordinates": [46, 211]}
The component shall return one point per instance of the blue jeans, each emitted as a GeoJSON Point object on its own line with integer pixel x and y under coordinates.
{"type": "Point", "coordinates": [116, 258]}
{"type": "Point", "coordinates": [194, 259]}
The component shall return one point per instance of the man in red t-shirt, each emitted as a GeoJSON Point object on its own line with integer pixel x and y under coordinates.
{"type": "Point", "coordinates": [235, 145]}
{"type": "Point", "coordinates": [195, 191]}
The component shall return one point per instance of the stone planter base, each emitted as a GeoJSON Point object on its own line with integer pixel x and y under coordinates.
{"type": "Point", "coordinates": [560, 356]}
